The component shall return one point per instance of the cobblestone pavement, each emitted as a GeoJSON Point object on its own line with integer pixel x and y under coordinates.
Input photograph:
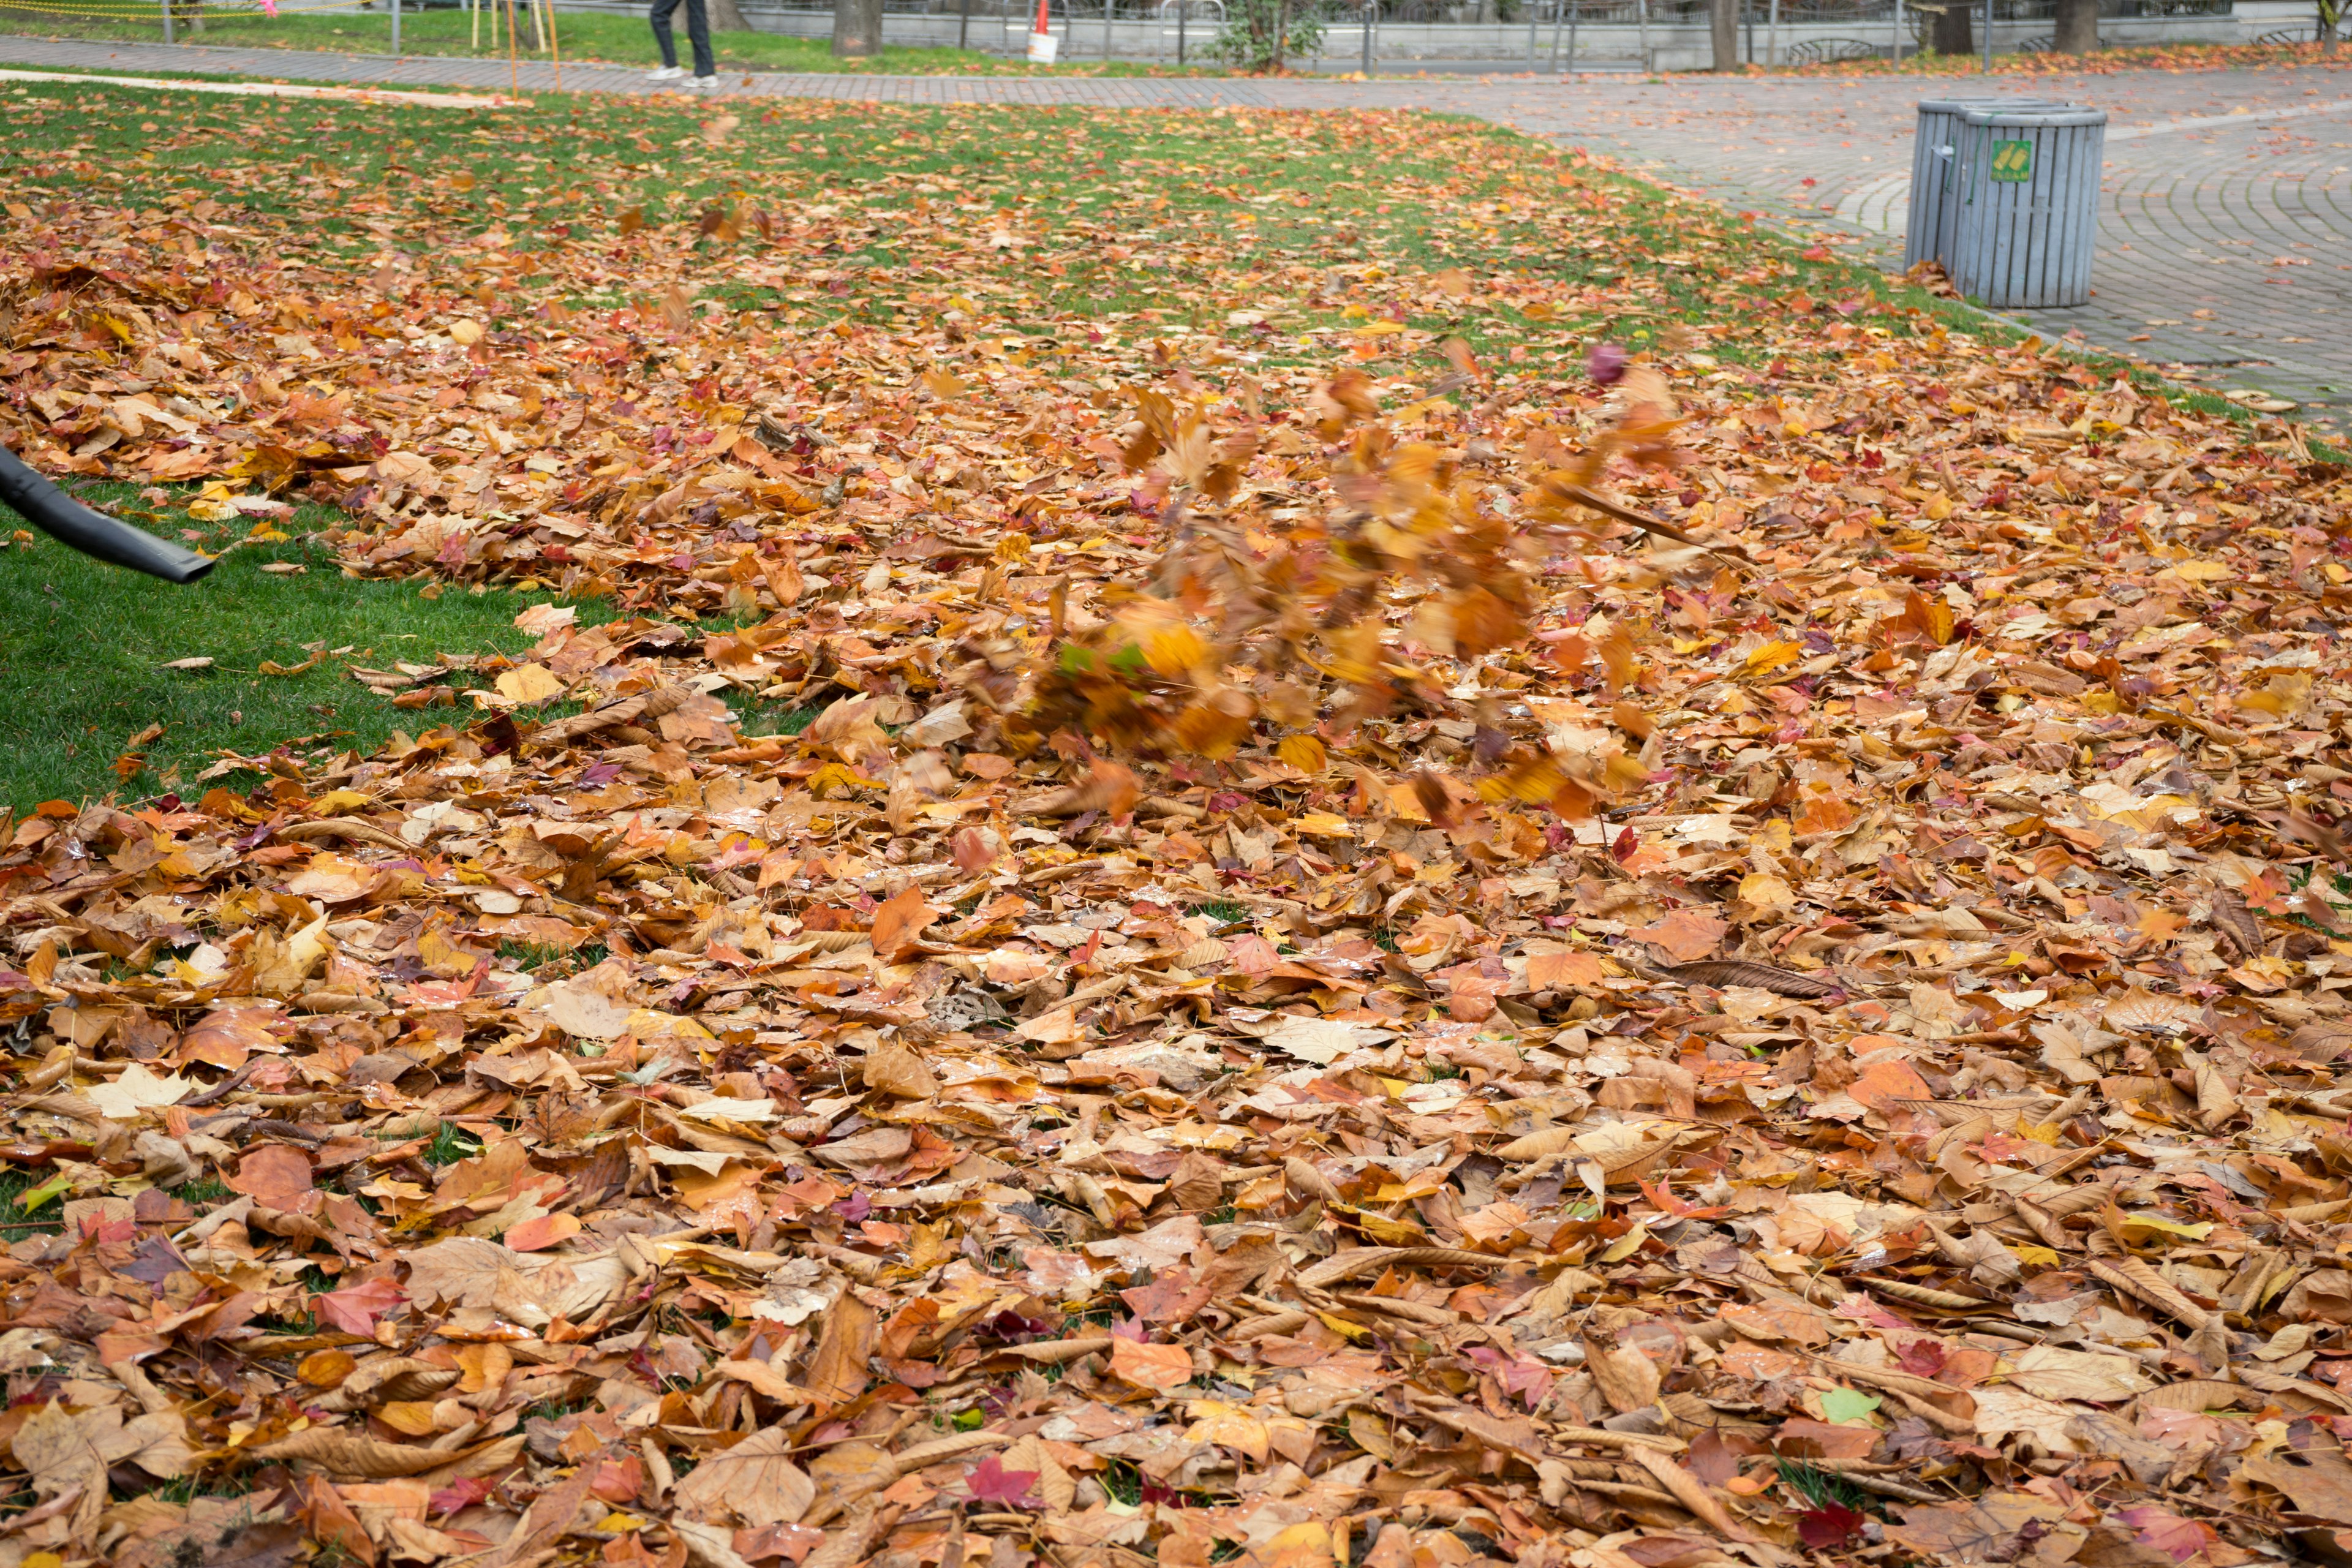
{"type": "Point", "coordinates": [2226, 222]}
{"type": "Point", "coordinates": [2226, 211]}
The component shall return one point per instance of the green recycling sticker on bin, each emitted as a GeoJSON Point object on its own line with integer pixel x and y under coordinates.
{"type": "Point", "coordinates": [2012, 162]}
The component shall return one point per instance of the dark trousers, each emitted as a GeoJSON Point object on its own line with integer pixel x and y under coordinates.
{"type": "Point", "coordinates": [698, 33]}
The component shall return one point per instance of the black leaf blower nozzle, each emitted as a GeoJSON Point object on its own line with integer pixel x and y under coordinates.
{"type": "Point", "coordinates": [109, 539]}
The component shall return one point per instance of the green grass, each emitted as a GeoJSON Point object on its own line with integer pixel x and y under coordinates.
{"type": "Point", "coordinates": [1821, 1488]}
{"type": "Point", "coordinates": [16, 1224]}
{"type": "Point", "coordinates": [775, 718]}
{"type": "Point", "coordinates": [449, 1145]}
{"type": "Point", "coordinates": [1123, 1481]}
{"type": "Point", "coordinates": [529, 956]}
{"type": "Point", "coordinates": [580, 37]}
{"type": "Point", "coordinates": [86, 643]}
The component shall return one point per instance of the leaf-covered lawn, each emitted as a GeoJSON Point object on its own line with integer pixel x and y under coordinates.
{"type": "Point", "coordinates": [2176, 57]}
{"type": "Point", "coordinates": [1215, 836]}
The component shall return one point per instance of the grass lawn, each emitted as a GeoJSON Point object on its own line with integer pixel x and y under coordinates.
{"type": "Point", "coordinates": [86, 645]}
{"type": "Point", "coordinates": [1365, 239]}
{"type": "Point", "coordinates": [589, 38]}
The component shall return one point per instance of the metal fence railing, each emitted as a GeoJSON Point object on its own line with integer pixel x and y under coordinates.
{"type": "Point", "coordinates": [1534, 34]}
{"type": "Point", "coordinates": [1211, 13]}
{"type": "Point", "coordinates": [1367, 35]}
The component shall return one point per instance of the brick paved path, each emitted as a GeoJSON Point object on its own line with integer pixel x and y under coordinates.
{"type": "Point", "coordinates": [2226, 213]}
{"type": "Point", "coordinates": [2226, 222]}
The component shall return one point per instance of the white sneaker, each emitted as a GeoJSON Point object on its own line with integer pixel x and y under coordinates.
{"type": "Point", "coordinates": [667, 73]}
{"type": "Point", "coordinates": [706, 83]}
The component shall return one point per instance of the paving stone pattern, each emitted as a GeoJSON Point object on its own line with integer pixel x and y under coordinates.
{"type": "Point", "coordinates": [2225, 229]}
{"type": "Point", "coordinates": [2225, 241]}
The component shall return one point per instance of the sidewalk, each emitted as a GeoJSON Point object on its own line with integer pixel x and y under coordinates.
{"type": "Point", "coordinates": [2226, 220]}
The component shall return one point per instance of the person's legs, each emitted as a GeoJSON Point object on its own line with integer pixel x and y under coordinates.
{"type": "Point", "coordinates": [698, 33]}
{"type": "Point", "coordinates": [663, 39]}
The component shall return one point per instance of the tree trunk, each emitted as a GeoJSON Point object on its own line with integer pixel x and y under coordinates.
{"type": "Point", "coordinates": [856, 29]}
{"type": "Point", "coordinates": [2078, 28]}
{"type": "Point", "coordinates": [1953, 34]}
{"type": "Point", "coordinates": [725, 17]}
{"type": "Point", "coordinates": [1723, 27]}
{"type": "Point", "coordinates": [2331, 14]}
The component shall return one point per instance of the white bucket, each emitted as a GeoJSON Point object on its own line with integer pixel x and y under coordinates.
{"type": "Point", "coordinates": [1043, 46]}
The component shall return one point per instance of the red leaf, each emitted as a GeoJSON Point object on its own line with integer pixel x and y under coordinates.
{"type": "Point", "coordinates": [1828, 1527]}
{"type": "Point", "coordinates": [1922, 1358]}
{"type": "Point", "coordinates": [355, 1308]}
{"type": "Point", "coordinates": [990, 1481]}
{"type": "Point", "coordinates": [463, 1493]}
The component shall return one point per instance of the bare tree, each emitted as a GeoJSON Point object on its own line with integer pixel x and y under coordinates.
{"type": "Point", "coordinates": [2078, 28]}
{"type": "Point", "coordinates": [856, 29]}
{"type": "Point", "coordinates": [726, 16]}
{"type": "Point", "coordinates": [1723, 27]}
{"type": "Point", "coordinates": [2331, 16]}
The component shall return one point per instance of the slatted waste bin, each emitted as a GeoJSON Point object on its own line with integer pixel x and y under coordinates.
{"type": "Point", "coordinates": [1936, 174]}
{"type": "Point", "coordinates": [2029, 207]}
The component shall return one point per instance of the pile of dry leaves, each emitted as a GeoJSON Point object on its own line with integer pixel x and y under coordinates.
{"type": "Point", "coordinates": [1306, 994]}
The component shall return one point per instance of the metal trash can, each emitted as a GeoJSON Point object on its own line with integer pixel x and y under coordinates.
{"type": "Point", "coordinates": [2029, 206]}
{"type": "Point", "coordinates": [1935, 174]}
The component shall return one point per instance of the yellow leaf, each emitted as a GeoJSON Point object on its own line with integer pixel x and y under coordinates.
{"type": "Point", "coordinates": [1304, 752]}
{"type": "Point", "coordinates": [1381, 1228]}
{"type": "Point", "coordinates": [1626, 1246]}
{"type": "Point", "coordinates": [2039, 1257]}
{"type": "Point", "coordinates": [1344, 1329]}
{"type": "Point", "coordinates": [1617, 658]}
{"type": "Point", "coordinates": [2197, 1232]}
{"type": "Point", "coordinates": [1228, 1426]}
{"type": "Point", "coordinates": [411, 1418]}
{"type": "Point", "coordinates": [467, 332]}
{"type": "Point", "coordinates": [530, 683]}
{"type": "Point", "coordinates": [1217, 724]}
{"type": "Point", "coordinates": [1772, 656]}
{"type": "Point", "coordinates": [1173, 650]}
{"type": "Point", "coordinates": [1325, 825]}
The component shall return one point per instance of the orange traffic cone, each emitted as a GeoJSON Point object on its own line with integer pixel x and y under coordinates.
{"type": "Point", "coordinates": [1043, 45]}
